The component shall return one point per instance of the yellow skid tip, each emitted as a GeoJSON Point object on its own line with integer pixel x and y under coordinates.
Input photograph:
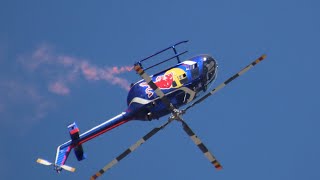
{"type": "Point", "coordinates": [263, 57]}
{"type": "Point", "coordinates": [219, 168]}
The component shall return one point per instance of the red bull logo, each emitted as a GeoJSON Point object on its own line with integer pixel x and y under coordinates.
{"type": "Point", "coordinates": [173, 78]}
{"type": "Point", "coordinates": [163, 82]}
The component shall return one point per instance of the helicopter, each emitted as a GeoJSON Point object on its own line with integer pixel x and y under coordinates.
{"type": "Point", "coordinates": [153, 97]}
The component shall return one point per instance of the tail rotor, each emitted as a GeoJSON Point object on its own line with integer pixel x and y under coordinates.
{"type": "Point", "coordinates": [56, 167]}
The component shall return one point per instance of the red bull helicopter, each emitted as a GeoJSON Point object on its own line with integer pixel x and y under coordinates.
{"type": "Point", "coordinates": [152, 98]}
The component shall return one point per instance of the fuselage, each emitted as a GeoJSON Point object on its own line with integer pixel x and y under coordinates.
{"type": "Point", "coordinates": [181, 83]}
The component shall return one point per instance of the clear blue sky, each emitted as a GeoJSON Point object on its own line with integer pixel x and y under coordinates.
{"type": "Point", "coordinates": [263, 126]}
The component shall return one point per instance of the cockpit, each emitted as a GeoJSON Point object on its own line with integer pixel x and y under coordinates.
{"type": "Point", "coordinates": [193, 67]}
{"type": "Point", "coordinates": [210, 69]}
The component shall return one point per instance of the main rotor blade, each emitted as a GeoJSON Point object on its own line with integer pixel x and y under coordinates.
{"type": "Point", "coordinates": [201, 146]}
{"type": "Point", "coordinates": [255, 62]}
{"type": "Point", "coordinates": [129, 150]}
{"type": "Point", "coordinates": [154, 87]}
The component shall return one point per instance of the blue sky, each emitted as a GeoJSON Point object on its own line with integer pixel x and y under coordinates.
{"type": "Point", "coordinates": [265, 125]}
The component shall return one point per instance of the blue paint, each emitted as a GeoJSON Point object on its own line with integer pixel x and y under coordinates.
{"type": "Point", "coordinates": [181, 83]}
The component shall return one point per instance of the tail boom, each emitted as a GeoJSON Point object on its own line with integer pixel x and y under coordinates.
{"type": "Point", "coordinates": [78, 139]}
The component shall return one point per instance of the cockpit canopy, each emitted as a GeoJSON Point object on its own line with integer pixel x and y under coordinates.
{"type": "Point", "coordinates": [210, 68]}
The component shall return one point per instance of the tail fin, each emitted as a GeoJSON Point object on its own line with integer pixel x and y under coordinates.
{"type": "Point", "coordinates": [74, 134]}
{"type": "Point", "coordinates": [63, 152]}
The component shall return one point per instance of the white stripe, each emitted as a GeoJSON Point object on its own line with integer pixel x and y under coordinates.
{"type": "Point", "coordinates": [112, 163]}
{"type": "Point", "coordinates": [94, 128]}
{"type": "Point", "coordinates": [209, 156]}
{"type": "Point", "coordinates": [139, 101]}
{"type": "Point", "coordinates": [196, 140]}
{"type": "Point", "coordinates": [136, 145]}
{"type": "Point", "coordinates": [145, 101]}
{"type": "Point", "coordinates": [218, 88]}
{"type": "Point", "coordinates": [245, 69]}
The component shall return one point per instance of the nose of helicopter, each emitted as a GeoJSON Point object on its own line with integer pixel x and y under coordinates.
{"type": "Point", "coordinates": [210, 69]}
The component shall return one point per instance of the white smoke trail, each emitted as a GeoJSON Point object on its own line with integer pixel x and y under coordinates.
{"type": "Point", "coordinates": [71, 68]}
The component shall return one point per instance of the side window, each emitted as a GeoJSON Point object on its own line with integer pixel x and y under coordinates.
{"type": "Point", "coordinates": [195, 71]}
{"type": "Point", "coordinates": [183, 78]}
{"type": "Point", "coordinates": [174, 84]}
{"type": "Point", "coordinates": [195, 66]}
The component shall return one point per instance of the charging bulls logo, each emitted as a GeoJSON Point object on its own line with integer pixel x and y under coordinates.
{"type": "Point", "coordinates": [165, 81]}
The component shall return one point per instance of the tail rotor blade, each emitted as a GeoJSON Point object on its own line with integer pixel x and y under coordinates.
{"type": "Point", "coordinates": [58, 168]}
{"type": "Point", "coordinates": [129, 150]}
{"type": "Point", "coordinates": [68, 168]}
{"type": "Point", "coordinates": [201, 146]}
{"type": "Point", "coordinates": [44, 162]}
{"type": "Point", "coordinates": [255, 62]}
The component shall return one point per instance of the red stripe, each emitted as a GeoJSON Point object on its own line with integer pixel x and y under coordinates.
{"type": "Point", "coordinates": [85, 140]}
{"type": "Point", "coordinates": [65, 156]}
{"type": "Point", "coordinates": [89, 138]}
{"type": "Point", "coordinates": [74, 131]}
